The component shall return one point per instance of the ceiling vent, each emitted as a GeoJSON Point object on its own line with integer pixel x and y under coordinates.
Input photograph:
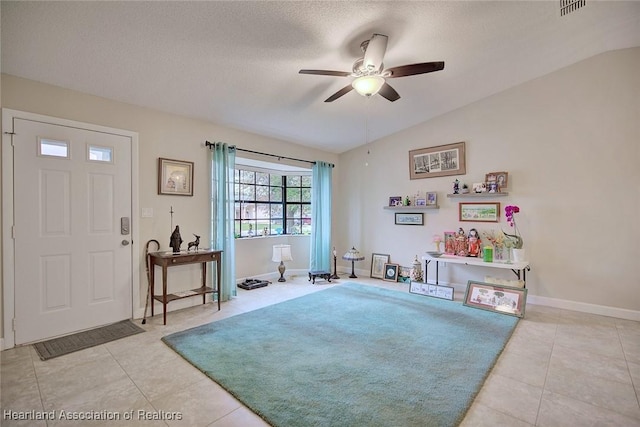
{"type": "Point", "coordinates": [568, 6]}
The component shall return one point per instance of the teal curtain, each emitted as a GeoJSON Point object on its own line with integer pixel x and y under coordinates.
{"type": "Point", "coordinates": [320, 253]}
{"type": "Point", "coordinates": [223, 160]}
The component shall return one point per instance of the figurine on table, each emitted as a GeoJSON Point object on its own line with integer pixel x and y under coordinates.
{"type": "Point", "coordinates": [461, 243]}
{"type": "Point", "coordinates": [474, 243]}
{"type": "Point", "coordinates": [456, 186]}
{"type": "Point", "coordinates": [176, 240]}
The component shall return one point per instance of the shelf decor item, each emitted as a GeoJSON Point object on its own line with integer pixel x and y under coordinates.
{"type": "Point", "coordinates": [442, 160]}
{"type": "Point", "coordinates": [500, 179]}
{"type": "Point", "coordinates": [175, 177]}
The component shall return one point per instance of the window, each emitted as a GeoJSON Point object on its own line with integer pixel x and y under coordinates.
{"type": "Point", "coordinates": [100, 154]}
{"type": "Point", "coordinates": [270, 203]}
{"type": "Point", "coordinates": [53, 148]}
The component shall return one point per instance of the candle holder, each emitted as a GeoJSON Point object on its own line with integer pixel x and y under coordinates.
{"type": "Point", "coordinates": [335, 266]}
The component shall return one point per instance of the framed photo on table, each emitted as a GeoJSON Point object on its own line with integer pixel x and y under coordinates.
{"type": "Point", "coordinates": [502, 299]}
{"type": "Point", "coordinates": [377, 265]}
{"type": "Point", "coordinates": [175, 177]}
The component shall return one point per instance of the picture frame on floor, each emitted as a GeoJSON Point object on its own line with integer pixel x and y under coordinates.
{"type": "Point", "coordinates": [501, 299]}
{"type": "Point", "coordinates": [377, 265]}
{"type": "Point", "coordinates": [391, 272]}
{"type": "Point", "coordinates": [431, 290]}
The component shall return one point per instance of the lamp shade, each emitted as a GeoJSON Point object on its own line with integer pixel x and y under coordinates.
{"type": "Point", "coordinates": [368, 85]}
{"type": "Point", "coordinates": [281, 253]}
{"type": "Point", "coordinates": [352, 255]}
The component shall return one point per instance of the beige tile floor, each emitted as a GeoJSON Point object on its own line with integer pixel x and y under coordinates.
{"type": "Point", "coordinates": [560, 368]}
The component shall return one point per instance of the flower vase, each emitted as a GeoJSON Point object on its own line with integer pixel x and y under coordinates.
{"type": "Point", "coordinates": [498, 253]}
{"type": "Point", "coordinates": [518, 255]}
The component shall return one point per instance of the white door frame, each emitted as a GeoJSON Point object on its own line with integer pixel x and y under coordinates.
{"type": "Point", "coordinates": [8, 254]}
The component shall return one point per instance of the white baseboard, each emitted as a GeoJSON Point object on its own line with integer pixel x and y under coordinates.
{"type": "Point", "coordinates": [584, 307]}
{"type": "Point", "coordinates": [602, 310]}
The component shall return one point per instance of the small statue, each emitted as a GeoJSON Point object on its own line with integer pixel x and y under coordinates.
{"type": "Point", "coordinates": [407, 202]}
{"type": "Point", "coordinates": [456, 186]}
{"type": "Point", "coordinates": [195, 243]}
{"type": "Point", "coordinates": [176, 240]}
{"type": "Point", "coordinates": [461, 243]}
{"type": "Point", "coordinates": [474, 243]}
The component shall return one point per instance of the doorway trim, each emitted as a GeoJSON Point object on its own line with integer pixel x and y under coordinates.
{"type": "Point", "coordinates": [8, 253]}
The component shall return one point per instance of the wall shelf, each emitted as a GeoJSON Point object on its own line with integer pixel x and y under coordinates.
{"type": "Point", "coordinates": [411, 208]}
{"type": "Point", "coordinates": [480, 195]}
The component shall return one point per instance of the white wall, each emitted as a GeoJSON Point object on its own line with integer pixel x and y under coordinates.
{"type": "Point", "coordinates": [174, 137]}
{"type": "Point", "coordinates": [570, 142]}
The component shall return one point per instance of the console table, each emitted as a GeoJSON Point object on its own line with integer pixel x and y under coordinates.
{"type": "Point", "coordinates": [519, 268]}
{"type": "Point", "coordinates": [169, 259]}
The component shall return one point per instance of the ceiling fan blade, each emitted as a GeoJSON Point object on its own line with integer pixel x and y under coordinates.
{"type": "Point", "coordinates": [388, 92]}
{"type": "Point", "coordinates": [339, 93]}
{"type": "Point", "coordinates": [413, 69]}
{"type": "Point", "coordinates": [326, 73]}
{"type": "Point", "coordinates": [374, 53]}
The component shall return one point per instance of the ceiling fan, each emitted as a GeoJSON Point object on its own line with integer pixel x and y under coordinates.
{"type": "Point", "coordinates": [370, 74]}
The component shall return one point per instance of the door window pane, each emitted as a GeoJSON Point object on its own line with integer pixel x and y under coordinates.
{"type": "Point", "coordinates": [100, 154]}
{"type": "Point", "coordinates": [53, 148]}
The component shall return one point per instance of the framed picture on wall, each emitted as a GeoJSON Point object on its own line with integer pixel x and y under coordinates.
{"type": "Point", "coordinates": [441, 160]}
{"type": "Point", "coordinates": [377, 265]}
{"type": "Point", "coordinates": [175, 177]}
{"type": "Point", "coordinates": [479, 212]}
{"type": "Point", "coordinates": [409, 218]}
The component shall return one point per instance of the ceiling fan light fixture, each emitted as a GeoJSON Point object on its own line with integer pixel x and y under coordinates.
{"type": "Point", "coordinates": [368, 85]}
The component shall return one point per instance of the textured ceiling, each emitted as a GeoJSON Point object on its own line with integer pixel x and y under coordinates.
{"type": "Point", "coordinates": [236, 63]}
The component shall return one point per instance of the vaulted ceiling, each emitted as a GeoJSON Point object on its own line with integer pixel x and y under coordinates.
{"type": "Point", "coordinates": [236, 63]}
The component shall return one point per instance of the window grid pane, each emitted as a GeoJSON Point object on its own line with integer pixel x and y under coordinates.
{"type": "Point", "coordinates": [260, 208]}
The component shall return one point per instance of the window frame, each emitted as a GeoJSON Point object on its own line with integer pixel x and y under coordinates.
{"type": "Point", "coordinates": [287, 223]}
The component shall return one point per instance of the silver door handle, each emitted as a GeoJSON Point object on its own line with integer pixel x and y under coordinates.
{"type": "Point", "coordinates": [125, 242]}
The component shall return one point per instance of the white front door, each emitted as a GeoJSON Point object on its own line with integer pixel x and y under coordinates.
{"type": "Point", "coordinates": [72, 207]}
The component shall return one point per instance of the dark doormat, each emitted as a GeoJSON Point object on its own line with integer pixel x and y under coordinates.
{"type": "Point", "coordinates": [71, 343]}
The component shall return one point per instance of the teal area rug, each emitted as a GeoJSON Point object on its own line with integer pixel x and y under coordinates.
{"type": "Point", "coordinates": [352, 355]}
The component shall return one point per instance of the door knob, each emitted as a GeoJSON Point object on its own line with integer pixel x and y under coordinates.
{"type": "Point", "coordinates": [125, 242]}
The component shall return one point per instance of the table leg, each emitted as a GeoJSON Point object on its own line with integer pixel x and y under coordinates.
{"type": "Point", "coordinates": [164, 293]}
{"type": "Point", "coordinates": [218, 276]}
{"type": "Point", "coordinates": [152, 285]}
{"type": "Point", "coordinates": [204, 281]}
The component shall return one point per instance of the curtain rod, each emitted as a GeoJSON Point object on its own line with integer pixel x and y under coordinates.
{"type": "Point", "coordinates": [209, 144]}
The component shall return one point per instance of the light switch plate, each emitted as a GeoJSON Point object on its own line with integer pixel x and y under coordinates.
{"type": "Point", "coordinates": [147, 212]}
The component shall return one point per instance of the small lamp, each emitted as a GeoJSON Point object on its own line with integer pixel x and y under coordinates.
{"type": "Point", "coordinates": [281, 253]}
{"type": "Point", "coordinates": [353, 255]}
